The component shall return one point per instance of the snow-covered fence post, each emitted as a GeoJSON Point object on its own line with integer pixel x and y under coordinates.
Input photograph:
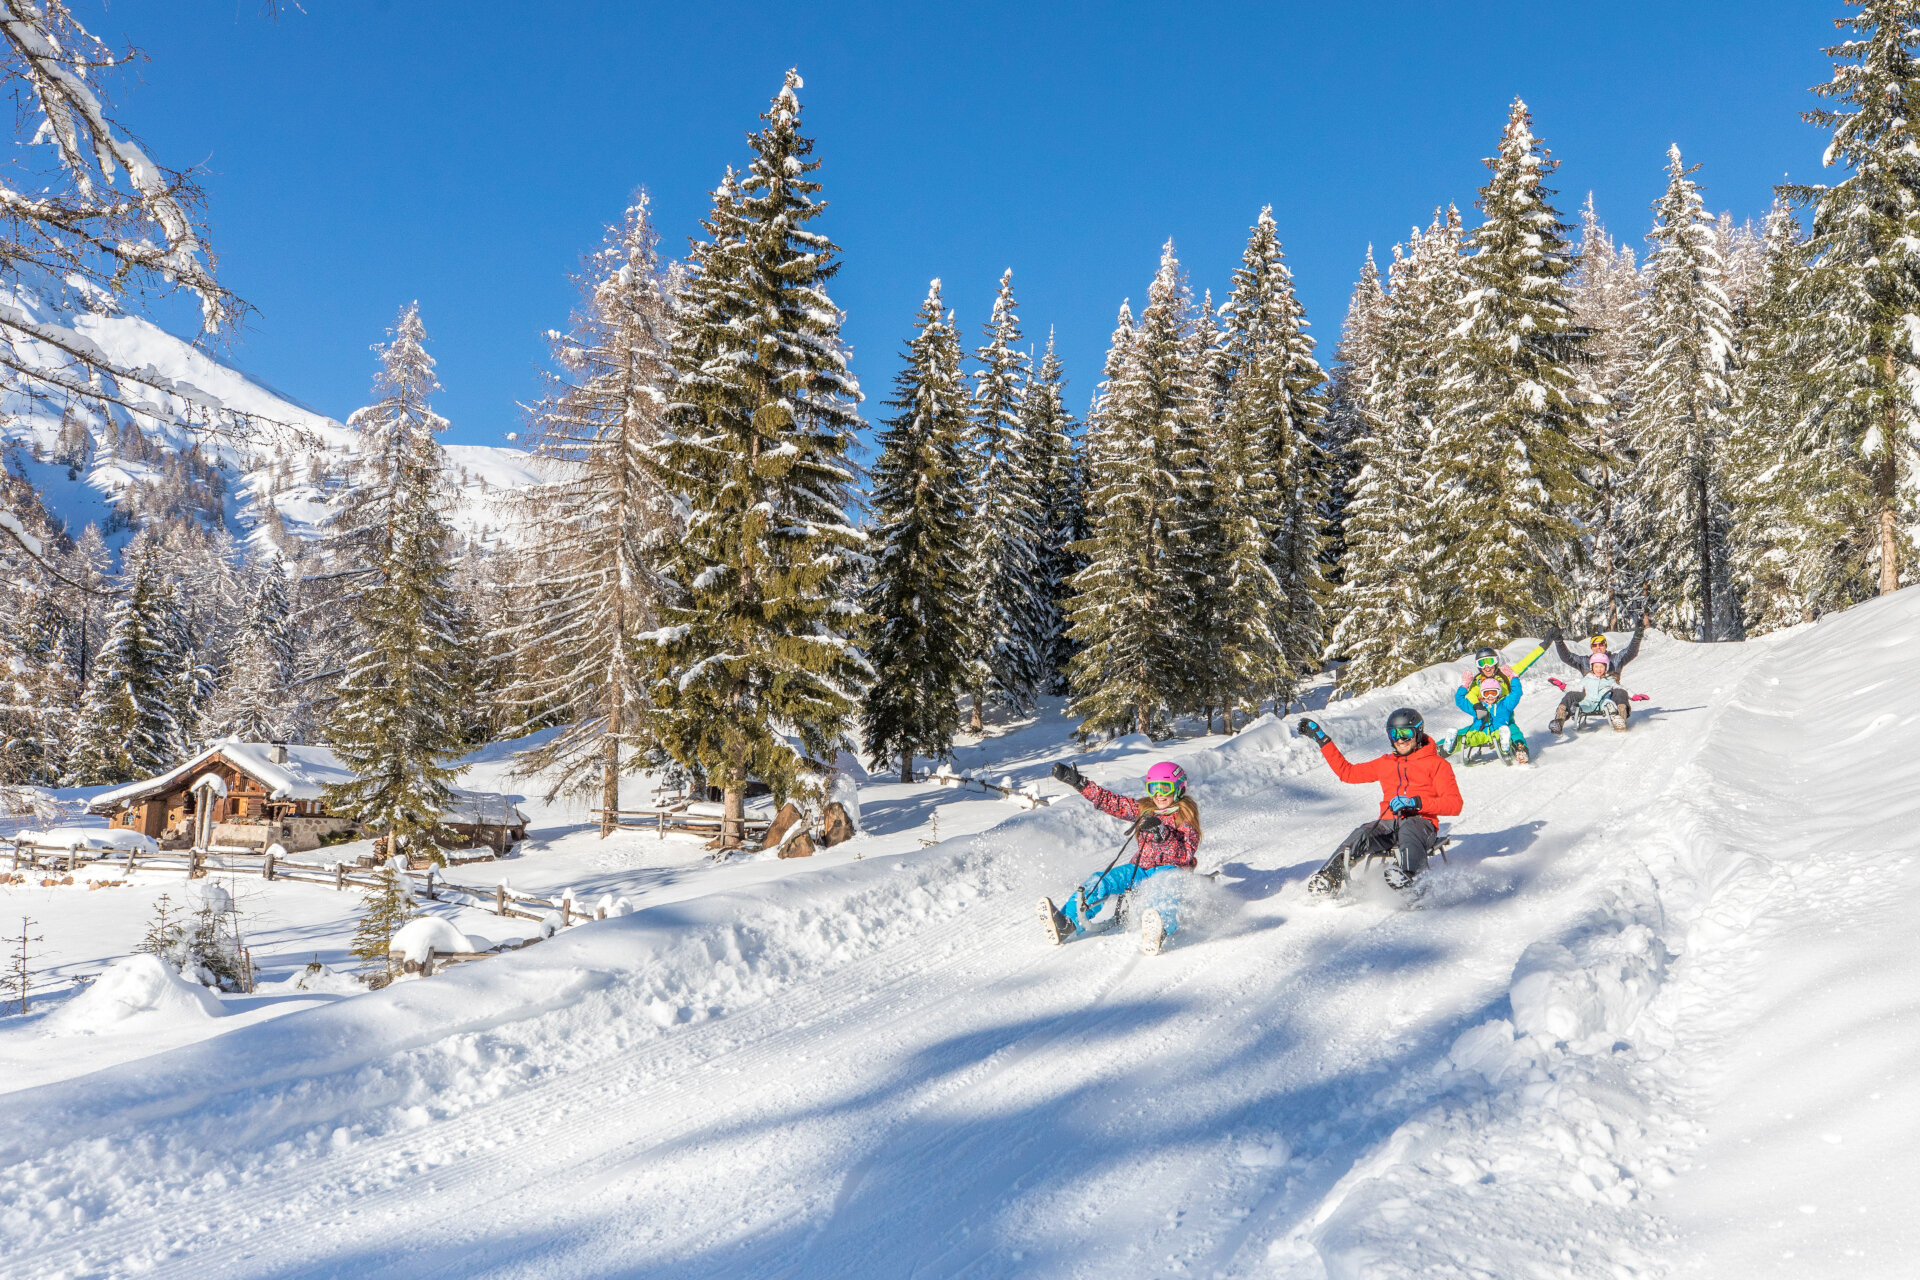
{"type": "Point", "coordinates": [339, 875]}
{"type": "Point", "coordinates": [431, 895]}
{"type": "Point", "coordinates": [500, 899]}
{"type": "Point", "coordinates": [266, 866]}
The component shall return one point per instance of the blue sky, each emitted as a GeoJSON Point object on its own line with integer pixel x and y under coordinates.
{"type": "Point", "coordinates": [368, 152]}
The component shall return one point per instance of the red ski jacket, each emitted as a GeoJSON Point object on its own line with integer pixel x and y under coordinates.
{"type": "Point", "coordinates": [1171, 844]}
{"type": "Point", "coordinates": [1421, 772]}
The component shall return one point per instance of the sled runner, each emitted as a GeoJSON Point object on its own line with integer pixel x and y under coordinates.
{"type": "Point", "coordinates": [1476, 746]}
{"type": "Point", "coordinates": [1366, 860]}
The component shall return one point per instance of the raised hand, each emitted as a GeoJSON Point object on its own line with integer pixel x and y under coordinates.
{"type": "Point", "coordinates": [1311, 729]}
{"type": "Point", "coordinates": [1069, 775]}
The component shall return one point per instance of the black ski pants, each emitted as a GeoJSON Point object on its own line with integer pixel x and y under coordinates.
{"type": "Point", "coordinates": [1410, 840]}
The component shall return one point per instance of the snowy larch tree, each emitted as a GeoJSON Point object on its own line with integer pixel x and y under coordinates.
{"type": "Point", "coordinates": [1864, 247]}
{"type": "Point", "coordinates": [1679, 422]}
{"type": "Point", "coordinates": [758, 675]}
{"type": "Point", "coordinates": [1506, 456]}
{"type": "Point", "coordinates": [1006, 532]}
{"type": "Point", "coordinates": [600, 529]}
{"type": "Point", "coordinates": [259, 698]}
{"type": "Point", "coordinates": [922, 593]}
{"type": "Point", "coordinates": [396, 718]}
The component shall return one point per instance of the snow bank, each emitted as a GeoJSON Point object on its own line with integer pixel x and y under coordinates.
{"type": "Point", "coordinates": [133, 991]}
{"type": "Point", "coordinates": [85, 837]}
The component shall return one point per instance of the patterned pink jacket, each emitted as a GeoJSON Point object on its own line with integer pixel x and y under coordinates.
{"type": "Point", "coordinates": [1172, 844]}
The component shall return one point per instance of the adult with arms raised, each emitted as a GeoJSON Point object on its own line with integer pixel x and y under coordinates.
{"type": "Point", "coordinates": [1416, 791]}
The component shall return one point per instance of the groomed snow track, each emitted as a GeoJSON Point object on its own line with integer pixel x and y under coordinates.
{"type": "Point", "coordinates": [881, 1070]}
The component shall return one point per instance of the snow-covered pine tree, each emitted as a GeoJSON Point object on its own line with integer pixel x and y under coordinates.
{"type": "Point", "coordinates": [1610, 585]}
{"type": "Point", "coordinates": [1506, 456]}
{"type": "Point", "coordinates": [1046, 433]}
{"type": "Point", "coordinates": [1133, 607]}
{"type": "Point", "coordinates": [1864, 250]}
{"type": "Point", "coordinates": [396, 718]}
{"type": "Point", "coordinates": [922, 592]}
{"type": "Point", "coordinates": [127, 729]}
{"type": "Point", "coordinates": [1244, 649]}
{"type": "Point", "coordinates": [758, 673]}
{"type": "Point", "coordinates": [1349, 390]}
{"type": "Point", "coordinates": [259, 699]}
{"type": "Point", "coordinates": [1006, 532]}
{"type": "Point", "coordinates": [1385, 602]}
{"type": "Point", "coordinates": [1204, 535]}
{"type": "Point", "coordinates": [1276, 386]}
{"type": "Point", "coordinates": [601, 527]}
{"type": "Point", "coordinates": [38, 687]}
{"type": "Point", "coordinates": [1805, 523]}
{"type": "Point", "coordinates": [1678, 423]}
{"type": "Point", "coordinates": [385, 909]}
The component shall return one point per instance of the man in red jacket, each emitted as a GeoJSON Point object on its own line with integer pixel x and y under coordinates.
{"type": "Point", "coordinates": [1416, 791]}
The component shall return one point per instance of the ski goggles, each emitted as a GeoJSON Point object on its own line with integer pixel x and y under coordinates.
{"type": "Point", "coordinates": [1489, 663]}
{"type": "Point", "coordinates": [1163, 787]}
{"type": "Point", "coordinates": [1403, 733]}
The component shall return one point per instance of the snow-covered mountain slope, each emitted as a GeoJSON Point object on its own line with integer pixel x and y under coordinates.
{"type": "Point", "coordinates": [283, 464]}
{"type": "Point", "coordinates": [1653, 1019]}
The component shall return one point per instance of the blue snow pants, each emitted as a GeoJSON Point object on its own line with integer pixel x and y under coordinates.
{"type": "Point", "coordinates": [1162, 895]}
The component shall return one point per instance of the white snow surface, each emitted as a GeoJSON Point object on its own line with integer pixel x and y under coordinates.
{"type": "Point", "coordinates": [138, 988]}
{"type": "Point", "coordinates": [424, 935]}
{"type": "Point", "coordinates": [1655, 1018]}
{"type": "Point", "coordinates": [80, 836]}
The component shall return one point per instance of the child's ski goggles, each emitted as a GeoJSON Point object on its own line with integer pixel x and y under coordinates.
{"type": "Point", "coordinates": [1403, 732]}
{"type": "Point", "coordinates": [1163, 787]}
{"type": "Point", "coordinates": [1489, 662]}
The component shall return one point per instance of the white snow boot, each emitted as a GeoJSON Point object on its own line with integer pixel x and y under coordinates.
{"type": "Point", "coordinates": [1617, 717]}
{"type": "Point", "coordinates": [1058, 927]}
{"type": "Point", "coordinates": [1153, 932]}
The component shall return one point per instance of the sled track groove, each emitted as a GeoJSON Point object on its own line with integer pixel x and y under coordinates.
{"type": "Point", "coordinates": [629, 1099]}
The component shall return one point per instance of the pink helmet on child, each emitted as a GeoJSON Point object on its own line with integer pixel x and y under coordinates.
{"type": "Point", "coordinates": [1600, 658]}
{"type": "Point", "coordinates": [1167, 771]}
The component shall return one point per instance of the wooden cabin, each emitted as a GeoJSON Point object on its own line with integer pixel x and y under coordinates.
{"type": "Point", "coordinates": [248, 795]}
{"type": "Point", "coordinates": [241, 794]}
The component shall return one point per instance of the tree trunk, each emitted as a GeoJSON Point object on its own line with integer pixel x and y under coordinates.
{"type": "Point", "coordinates": [975, 724]}
{"type": "Point", "coordinates": [1704, 529]}
{"type": "Point", "coordinates": [1142, 724]}
{"type": "Point", "coordinates": [610, 783]}
{"type": "Point", "coordinates": [733, 818]}
{"type": "Point", "coordinates": [1885, 489]}
{"type": "Point", "coordinates": [1227, 718]}
{"type": "Point", "coordinates": [906, 766]}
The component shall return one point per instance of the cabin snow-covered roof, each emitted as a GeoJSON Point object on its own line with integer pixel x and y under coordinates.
{"type": "Point", "coordinates": [303, 775]}
{"type": "Point", "coordinates": [484, 808]}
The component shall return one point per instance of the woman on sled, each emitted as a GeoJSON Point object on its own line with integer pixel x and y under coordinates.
{"type": "Point", "coordinates": [1167, 831]}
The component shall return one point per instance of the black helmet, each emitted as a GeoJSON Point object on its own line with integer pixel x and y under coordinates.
{"type": "Point", "coordinates": [1403, 719]}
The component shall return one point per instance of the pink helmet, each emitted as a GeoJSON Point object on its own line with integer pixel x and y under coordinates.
{"type": "Point", "coordinates": [1600, 658]}
{"type": "Point", "coordinates": [1489, 691]}
{"type": "Point", "coordinates": [1168, 771]}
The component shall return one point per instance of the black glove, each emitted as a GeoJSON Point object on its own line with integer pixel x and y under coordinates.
{"type": "Point", "coordinates": [1309, 729]}
{"type": "Point", "coordinates": [1148, 822]}
{"type": "Point", "coordinates": [1069, 775]}
{"type": "Point", "coordinates": [1554, 634]}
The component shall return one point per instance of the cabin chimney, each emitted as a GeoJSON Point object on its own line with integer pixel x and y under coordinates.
{"type": "Point", "coordinates": [279, 753]}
